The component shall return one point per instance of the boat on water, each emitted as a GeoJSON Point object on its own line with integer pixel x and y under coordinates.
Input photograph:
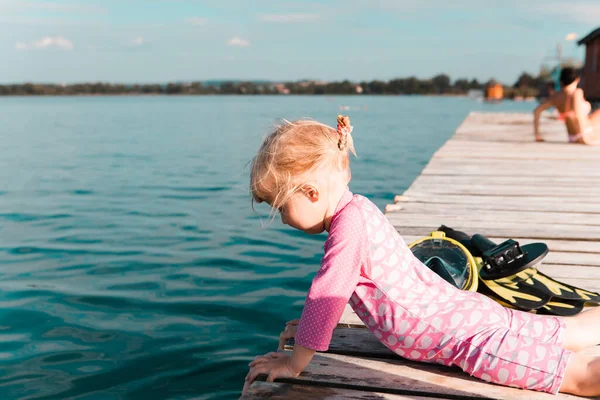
{"type": "Point", "coordinates": [494, 92]}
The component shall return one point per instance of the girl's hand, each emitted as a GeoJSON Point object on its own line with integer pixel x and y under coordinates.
{"type": "Point", "coordinates": [289, 333]}
{"type": "Point", "coordinates": [275, 365]}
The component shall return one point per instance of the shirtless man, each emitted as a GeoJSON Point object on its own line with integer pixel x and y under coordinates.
{"type": "Point", "coordinates": [582, 126]}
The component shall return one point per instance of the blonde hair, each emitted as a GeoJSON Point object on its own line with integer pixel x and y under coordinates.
{"type": "Point", "coordinates": [293, 152]}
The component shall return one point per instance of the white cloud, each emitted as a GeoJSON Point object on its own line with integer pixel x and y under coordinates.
{"type": "Point", "coordinates": [196, 21]}
{"type": "Point", "coordinates": [294, 17]}
{"type": "Point", "coordinates": [58, 42]}
{"type": "Point", "coordinates": [582, 12]}
{"type": "Point", "coordinates": [571, 36]}
{"type": "Point", "coordinates": [138, 41]}
{"type": "Point", "coordinates": [238, 42]}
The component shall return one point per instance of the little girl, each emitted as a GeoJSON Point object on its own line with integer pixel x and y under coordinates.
{"type": "Point", "coordinates": [302, 170]}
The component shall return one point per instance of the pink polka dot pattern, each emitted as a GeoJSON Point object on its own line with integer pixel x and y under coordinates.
{"type": "Point", "coordinates": [420, 316]}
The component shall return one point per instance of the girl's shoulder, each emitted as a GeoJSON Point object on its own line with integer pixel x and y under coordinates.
{"type": "Point", "coordinates": [365, 205]}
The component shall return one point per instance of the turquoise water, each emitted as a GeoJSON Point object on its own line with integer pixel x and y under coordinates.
{"type": "Point", "coordinates": [132, 263]}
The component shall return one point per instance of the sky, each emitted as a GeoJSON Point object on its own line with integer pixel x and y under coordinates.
{"type": "Point", "coordinates": [151, 41]}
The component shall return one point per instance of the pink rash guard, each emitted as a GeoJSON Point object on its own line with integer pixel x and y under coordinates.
{"type": "Point", "coordinates": [420, 316]}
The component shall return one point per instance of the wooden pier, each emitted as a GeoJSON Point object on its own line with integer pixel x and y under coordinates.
{"type": "Point", "coordinates": [489, 178]}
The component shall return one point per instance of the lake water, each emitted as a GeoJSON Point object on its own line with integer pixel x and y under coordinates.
{"type": "Point", "coordinates": [132, 263]}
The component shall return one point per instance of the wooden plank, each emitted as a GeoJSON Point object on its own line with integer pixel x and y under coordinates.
{"type": "Point", "coordinates": [450, 205]}
{"type": "Point", "coordinates": [349, 319]}
{"type": "Point", "coordinates": [506, 118]}
{"type": "Point", "coordinates": [404, 377]}
{"type": "Point", "coordinates": [539, 168]}
{"type": "Point", "coordinates": [508, 151]}
{"type": "Point", "coordinates": [477, 150]}
{"type": "Point", "coordinates": [451, 213]}
{"type": "Point", "coordinates": [500, 133]}
{"type": "Point", "coordinates": [505, 180]}
{"type": "Point", "coordinates": [276, 390]}
{"type": "Point", "coordinates": [508, 127]}
{"type": "Point", "coordinates": [509, 165]}
{"type": "Point", "coordinates": [583, 277]}
{"type": "Point", "coordinates": [495, 202]}
{"type": "Point", "coordinates": [564, 193]}
{"type": "Point", "coordinates": [490, 186]}
{"type": "Point", "coordinates": [518, 139]}
{"type": "Point", "coordinates": [500, 137]}
{"type": "Point", "coordinates": [532, 230]}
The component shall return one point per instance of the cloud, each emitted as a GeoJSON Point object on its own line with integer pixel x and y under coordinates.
{"type": "Point", "coordinates": [46, 42]}
{"type": "Point", "coordinates": [238, 42]}
{"type": "Point", "coordinates": [294, 17]}
{"type": "Point", "coordinates": [198, 21]}
{"type": "Point", "coordinates": [582, 12]}
{"type": "Point", "coordinates": [138, 41]}
{"type": "Point", "coordinates": [571, 36]}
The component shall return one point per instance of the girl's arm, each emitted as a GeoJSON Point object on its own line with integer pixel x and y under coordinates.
{"type": "Point", "coordinates": [279, 365]}
{"type": "Point", "coordinates": [300, 358]}
{"type": "Point", "coordinates": [334, 283]}
{"type": "Point", "coordinates": [580, 110]}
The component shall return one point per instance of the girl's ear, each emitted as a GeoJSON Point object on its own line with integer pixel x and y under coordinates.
{"type": "Point", "coordinates": [311, 192]}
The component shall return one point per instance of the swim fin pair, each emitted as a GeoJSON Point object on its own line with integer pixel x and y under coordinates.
{"type": "Point", "coordinates": [508, 275]}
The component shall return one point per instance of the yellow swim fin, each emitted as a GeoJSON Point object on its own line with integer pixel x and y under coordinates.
{"type": "Point", "coordinates": [534, 279]}
{"type": "Point", "coordinates": [562, 308]}
{"type": "Point", "coordinates": [564, 290]}
{"type": "Point", "coordinates": [519, 297]}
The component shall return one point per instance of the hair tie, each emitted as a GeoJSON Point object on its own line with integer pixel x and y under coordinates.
{"type": "Point", "coordinates": [343, 128]}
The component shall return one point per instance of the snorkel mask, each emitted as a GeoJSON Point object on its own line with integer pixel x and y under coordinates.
{"type": "Point", "coordinates": [448, 258]}
{"type": "Point", "coordinates": [504, 272]}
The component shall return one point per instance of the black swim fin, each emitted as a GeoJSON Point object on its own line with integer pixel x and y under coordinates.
{"type": "Point", "coordinates": [533, 278]}
{"type": "Point", "coordinates": [523, 298]}
{"type": "Point", "coordinates": [563, 290]}
{"type": "Point", "coordinates": [523, 291]}
{"type": "Point", "coordinates": [563, 308]}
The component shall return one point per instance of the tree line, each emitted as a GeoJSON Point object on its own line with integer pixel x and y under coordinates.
{"type": "Point", "coordinates": [526, 85]}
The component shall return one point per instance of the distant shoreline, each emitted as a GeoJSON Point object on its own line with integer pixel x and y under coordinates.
{"type": "Point", "coordinates": [439, 85]}
{"type": "Point", "coordinates": [231, 95]}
